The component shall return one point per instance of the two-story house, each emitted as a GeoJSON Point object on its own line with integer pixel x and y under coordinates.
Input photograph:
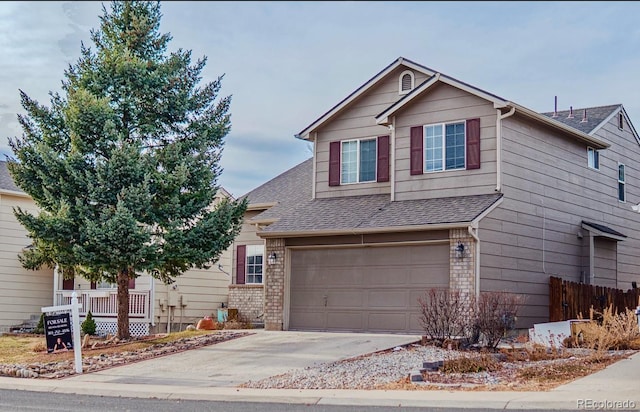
{"type": "Point", "coordinates": [419, 180]}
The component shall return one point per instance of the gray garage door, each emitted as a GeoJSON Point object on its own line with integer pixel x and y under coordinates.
{"type": "Point", "coordinates": [372, 289]}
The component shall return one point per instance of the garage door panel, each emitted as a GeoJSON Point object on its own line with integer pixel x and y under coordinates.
{"type": "Point", "coordinates": [308, 320]}
{"type": "Point", "coordinates": [344, 320]}
{"type": "Point", "coordinates": [366, 289]}
{"type": "Point", "coordinates": [387, 322]}
{"type": "Point", "coordinates": [310, 299]}
{"type": "Point", "coordinates": [351, 298]}
{"type": "Point", "coordinates": [387, 276]}
{"type": "Point", "coordinates": [428, 277]}
{"type": "Point", "coordinates": [388, 299]}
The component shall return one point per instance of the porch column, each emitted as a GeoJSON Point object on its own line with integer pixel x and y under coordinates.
{"type": "Point", "coordinates": [274, 285]}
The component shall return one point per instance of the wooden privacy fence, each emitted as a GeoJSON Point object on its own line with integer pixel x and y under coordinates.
{"type": "Point", "coordinates": [569, 300]}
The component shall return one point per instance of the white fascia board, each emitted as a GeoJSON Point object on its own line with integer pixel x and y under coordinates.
{"type": "Point", "coordinates": [13, 193]}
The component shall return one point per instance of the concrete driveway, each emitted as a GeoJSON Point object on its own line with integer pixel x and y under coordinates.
{"type": "Point", "coordinates": [254, 357]}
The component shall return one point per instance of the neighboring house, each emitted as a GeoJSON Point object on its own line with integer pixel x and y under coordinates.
{"type": "Point", "coordinates": [154, 306]}
{"type": "Point", "coordinates": [419, 180]}
{"type": "Point", "coordinates": [23, 291]}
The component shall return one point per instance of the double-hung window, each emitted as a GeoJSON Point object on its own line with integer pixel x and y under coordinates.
{"type": "Point", "coordinates": [444, 147]}
{"type": "Point", "coordinates": [358, 161]}
{"type": "Point", "coordinates": [255, 262]}
{"type": "Point", "coordinates": [622, 195]}
{"type": "Point", "coordinates": [593, 158]}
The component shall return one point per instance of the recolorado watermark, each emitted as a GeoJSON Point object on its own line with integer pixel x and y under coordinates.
{"type": "Point", "coordinates": [605, 404]}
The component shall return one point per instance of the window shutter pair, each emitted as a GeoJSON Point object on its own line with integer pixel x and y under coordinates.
{"type": "Point", "coordinates": [382, 152]}
{"type": "Point", "coordinates": [473, 147]}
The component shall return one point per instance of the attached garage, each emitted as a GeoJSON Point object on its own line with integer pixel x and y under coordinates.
{"type": "Point", "coordinates": [363, 289]}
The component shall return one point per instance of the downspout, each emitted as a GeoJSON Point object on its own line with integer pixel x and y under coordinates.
{"type": "Point", "coordinates": [315, 153]}
{"type": "Point", "coordinates": [152, 302]}
{"type": "Point", "coordinates": [473, 231]}
{"type": "Point", "coordinates": [499, 118]}
{"type": "Point", "coordinates": [393, 159]}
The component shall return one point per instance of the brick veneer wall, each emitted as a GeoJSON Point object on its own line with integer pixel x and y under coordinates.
{"type": "Point", "coordinates": [462, 269]}
{"type": "Point", "coordinates": [249, 300]}
{"type": "Point", "coordinates": [274, 286]}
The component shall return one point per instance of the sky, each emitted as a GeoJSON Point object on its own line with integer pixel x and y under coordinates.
{"type": "Point", "coordinates": [287, 63]}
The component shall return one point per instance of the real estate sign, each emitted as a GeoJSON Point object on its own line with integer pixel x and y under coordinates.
{"type": "Point", "coordinates": [58, 332]}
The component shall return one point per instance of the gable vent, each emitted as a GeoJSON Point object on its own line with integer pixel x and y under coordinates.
{"type": "Point", "coordinates": [407, 82]}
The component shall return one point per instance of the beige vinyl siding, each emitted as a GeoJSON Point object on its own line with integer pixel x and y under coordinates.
{"type": "Point", "coordinates": [23, 291]}
{"type": "Point", "coordinates": [247, 236]}
{"type": "Point", "coordinates": [605, 262]}
{"type": "Point", "coordinates": [445, 103]}
{"type": "Point", "coordinates": [548, 191]}
{"type": "Point", "coordinates": [357, 122]}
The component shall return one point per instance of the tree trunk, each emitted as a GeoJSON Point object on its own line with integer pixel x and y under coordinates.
{"type": "Point", "coordinates": [123, 304]}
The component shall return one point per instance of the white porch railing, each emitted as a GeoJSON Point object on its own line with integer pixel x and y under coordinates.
{"type": "Point", "coordinates": [104, 303]}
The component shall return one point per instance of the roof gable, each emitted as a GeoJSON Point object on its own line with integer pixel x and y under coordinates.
{"type": "Point", "coordinates": [400, 61]}
{"type": "Point", "coordinates": [6, 181]}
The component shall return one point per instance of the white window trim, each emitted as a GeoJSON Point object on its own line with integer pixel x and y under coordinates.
{"type": "Point", "coordinates": [444, 148]}
{"type": "Point", "coordinates": [596, 153]}
{"type": "Point", "coordinates": [358, 160]}
{"type": "Point", "coordinates": [413, 82]}
{"type": "Point", "coordinates": [251, 251]}
{"type": "Point", "coordinates": [624, 183]}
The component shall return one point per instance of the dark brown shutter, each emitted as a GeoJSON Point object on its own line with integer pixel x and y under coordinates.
{"type": "Point", "coordinates": [416, 150]}
{"type": "Point", "coordinates": [334, 164]}
{"type": "Point", "coordinates": [67, 284]}
{"type": "Point", "coordinates": [93, 285]}
{"type": "Point", "coordinates": [473, 144]}
{"type": "Point", "coordinates": [383, 159]}
{"type": "Point", "coordinates": [132, 283]}
{"type": "Point", "coordinates": [241, 259]}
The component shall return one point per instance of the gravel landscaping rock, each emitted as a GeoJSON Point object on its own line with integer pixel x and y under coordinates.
{"type": "Point", "coordinates": [60, 369]}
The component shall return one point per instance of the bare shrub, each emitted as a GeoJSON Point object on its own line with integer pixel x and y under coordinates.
{"type": "Point", "coordinates": [471, 363]}
{"type": "Point", "coordinates": [611, 331]}
{"type": "Point", "coordinates": [496, 313]}
{"type": "Point", "coordinates": [445, 314]}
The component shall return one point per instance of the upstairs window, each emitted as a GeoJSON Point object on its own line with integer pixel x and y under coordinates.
{"type": "Point", "coordinates": [406, 82]}
{"type": "Point", "coordinates": [444, 147]}
{"type": "Point", "coordinates": [622, 195]}
{"type": "Point", "coordinates": [593, 158]}
{"type": "Point", "coordinates": [358, 161]}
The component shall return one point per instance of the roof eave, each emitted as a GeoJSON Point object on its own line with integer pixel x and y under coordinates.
{"type": "Point", "coordinates": [14, 193]}
{"type": "Point", "coordinates": [591, 140]}
{"type": "Point", "coordinates": [260, 206]}
{"type": "Point", "coordinates": [362, 231]}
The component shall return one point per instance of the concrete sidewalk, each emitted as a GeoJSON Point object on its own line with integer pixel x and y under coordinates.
{"type": "Point", "coordinates": [615, 388]}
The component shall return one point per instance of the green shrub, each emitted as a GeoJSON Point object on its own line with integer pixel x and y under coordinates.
{"type": "Point", "coordinates": [89, 325]}
{"type": "Point", "coordinates": [40, 327]}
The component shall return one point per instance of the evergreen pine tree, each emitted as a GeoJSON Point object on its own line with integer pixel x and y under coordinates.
{"type": "Point", "coordinates": [124, 163]}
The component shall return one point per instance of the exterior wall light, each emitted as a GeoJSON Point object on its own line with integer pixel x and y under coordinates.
{"type": "Point", "coordinates": [460, 250]}
{"type": "Point", "coordinates": [271, 259]}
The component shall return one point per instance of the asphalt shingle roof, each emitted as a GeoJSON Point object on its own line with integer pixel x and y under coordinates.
{"type": "Point", "coordinates": [595, 116]}
{"type": "Point", "coordinates": [377, 211]}
{"type": "Point", "coordinates": [603, 228]}
{"type": "Point", "coordinates": [6, 181]}
{"type": "Point", "coordinates": [288, 190]}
